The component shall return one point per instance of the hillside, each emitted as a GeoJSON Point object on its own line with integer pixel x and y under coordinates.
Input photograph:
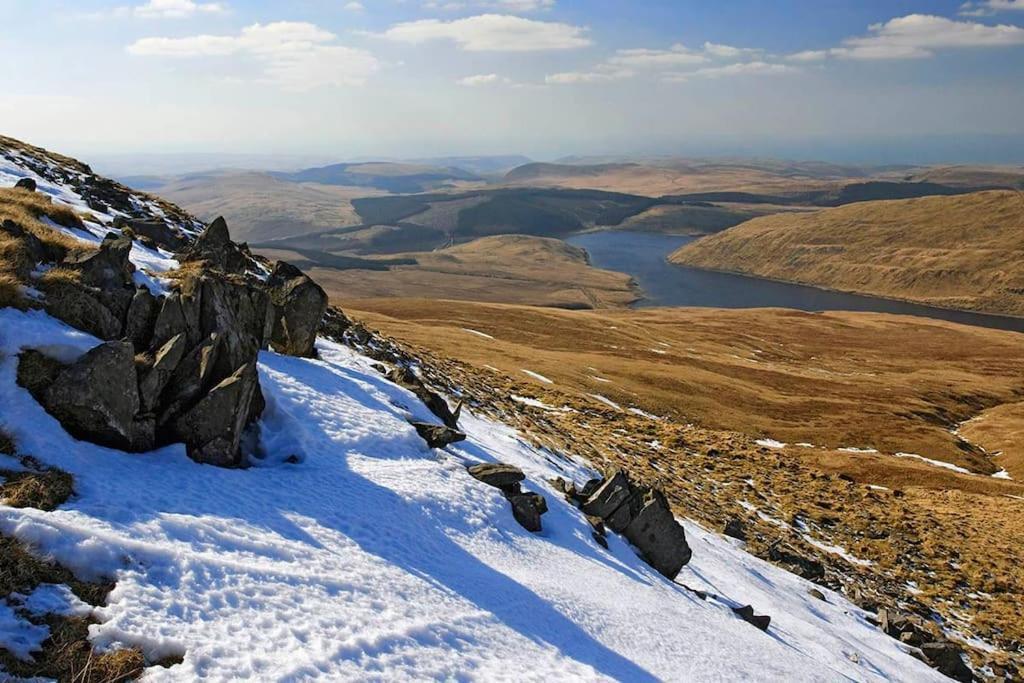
{"type": "Point", "coordinates": [206, 473]}
{"type": "Point", "coordinates": [962, 252]}
{"type": "Point", "coordinates": [382, 175]}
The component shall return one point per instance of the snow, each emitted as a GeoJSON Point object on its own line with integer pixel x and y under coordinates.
{"type": "Point", "coordinates": [605, 400]}
{"type": "Point", "coordinates": [936, 463]}
{"type": "Point", "coordinates": [600, 379]}
{"type": "Point", "coordinates": [377, 558]}
{"type": "Point", "coordinates": [537, 376]}
{"type": "Point", "coordinates": [837, 550]}
{"type": "Point", "coordinates": [855, 449]}
{"type": "Point", "coordinates": [477, 333]}
{"type": "Point", "coordinates": [642, 413]}
{"type": "Point", "coordinates": [1002, 474]}
{"type": "Point", "coordinates": [536, 403]}
{"type": "Point", "coordinates": [18, 635]}
{"type": "Point", "coordinates": [52, 598]}
{"type": "Point", "coordinates": [770, 443]}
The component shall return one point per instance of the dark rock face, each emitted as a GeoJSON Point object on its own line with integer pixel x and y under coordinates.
{"type": "Point", "coordinates": [26, 184]}
{"type": "Point", "coordinates": [527, 509]}
{"type": "Point", "coordinates": [746, 613]}
{"type": "Point", "coordinates": [498, 475]}
{"type": "Point", "coordinates": [948, 659]}
{"type": "Point", "coordinates": [158, 231]}
{"type": "Point", "coordinates": [734, 529]}
{"type": "Point", "coordinates": [808, 568]}
{"type": "Point", "coordinates": [142, 312]}
{"type": "Point", "coordinates": [299, 306]}
{"type": "Point", "coordinates": [643, 516]}
{"type": "Point", "coordinates": [92, 400]}
{"type": "Point", "coordinates": [212, 429]}
{"type": "Point", "coordinates": [82, 308]}
{"type": "Point", "coordinates": [152, 384]}
{"type": "Point", "coordinates": [437, 436]}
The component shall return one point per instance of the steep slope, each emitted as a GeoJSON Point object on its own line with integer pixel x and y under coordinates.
{"type": "Point", "coordinates": [962, 252]}
{"type": "Point", "coordinates": [338, 545]}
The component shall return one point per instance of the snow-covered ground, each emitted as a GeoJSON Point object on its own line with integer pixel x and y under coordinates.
{"type": "Point", "coordinates": [377, 558]}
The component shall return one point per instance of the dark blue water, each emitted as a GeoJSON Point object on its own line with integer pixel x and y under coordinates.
{"type": "Point", "coordinates": [643, 255]}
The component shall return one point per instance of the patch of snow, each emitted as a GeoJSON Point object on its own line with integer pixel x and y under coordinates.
{"type": "Point", "coordinates": [375, 557]}
{"type": "Point", "coordinates": [659, 351]}
{"type": "Point", "coordinates": [642, 413]}
{"type": "Point", "coordinates": [1002, 474]}
{"type": "Point", "coordinates": [605, 400]}
{"type": "Point", "coordinates": [600, 379]}
{"type": "Point", "coordinates": [876, 487]}
{"type": "Point", "coordinates": [837, 550]}
{"type": "Point", "coordinates": [53, 598]}
{"type": "Point", "coordinates": [537, 376]}
{"type": "Point", "coordinates": [477, 333]}
{"type": "Point", "coordinates": [18, 635]}
{"type": "Point", "coordinates": [536, 403]}
{"type": "Point", "coordinates": [855, 449]}
{"type": "Point", "coordinates": [936, 463]}
{"type": "Point", "coordinates": [770, 443]}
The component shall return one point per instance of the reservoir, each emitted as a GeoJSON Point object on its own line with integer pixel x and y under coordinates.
{"type": "Point", "coordinates": [645, 257]}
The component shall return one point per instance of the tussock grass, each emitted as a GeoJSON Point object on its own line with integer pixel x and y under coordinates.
{"type": "Point", "coordinates": [43, 489]}
{"type": "Point", "coordinates": [10, 292]}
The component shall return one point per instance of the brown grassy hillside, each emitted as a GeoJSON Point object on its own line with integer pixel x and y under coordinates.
{"type": "Point", "coordinates": [965, 251]}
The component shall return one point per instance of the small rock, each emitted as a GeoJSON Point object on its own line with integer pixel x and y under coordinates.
{"type": "Point", "coordinates": [437, 436]}
{"type": "Point", "coordinates": [948, 660]}
{"type": "Point", "coordinates": [527, 509]}
{"type": "Point", "coordinates": [26, 184]}
{"type": "Point", "coordinates": [734, 529]}
{"type": "Point", "coordinates": [498, 475]}
{"type": "Point", "coordinates": [815, 593]}
{"type": "Point", "coordinates": [747, 614]}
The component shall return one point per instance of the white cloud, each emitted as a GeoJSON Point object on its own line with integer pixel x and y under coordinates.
{"type": "Point", "coordinates": [597, 76]}
{"type": "Point", "coordinates": [175, 9]}
{"type": "Point", "coordinates": [482, 79]}
{"type": "Point", "coordinates": [757, 68]}
{"type": "Point", "coordinates": [677, 55]}
{"type": "Point", "coordinates": [294, 55]}
{"type": "Point", "coordinates": [354, 6]}
{"type": "Point", "coordinates": [492, 32]}
{"type": "Point", "coordinates": [987, 7]}
{"type": "Point", "coordinates": [730, 52]}
{"type": "Point", "coordinates": [498, 5]}
{"type": "Point", "coordinates": [917, 36]}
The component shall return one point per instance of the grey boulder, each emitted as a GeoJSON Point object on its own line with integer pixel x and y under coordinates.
{"type": "Point", "coordinates": [299, 306]}
{"type": "Point", "coordinates": [212, 429]}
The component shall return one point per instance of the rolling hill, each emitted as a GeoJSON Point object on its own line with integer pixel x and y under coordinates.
{"type": "Point", "coordinates": [963, 251]}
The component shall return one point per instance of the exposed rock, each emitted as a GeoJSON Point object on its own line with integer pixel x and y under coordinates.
{"type": "Point", "coordinates": [107, 268]}
{"type": "Point", "coordinates": [948, 660]}
{"type": "Point", "coordinates": [609, 501]}
{"type": "Point", "coordinates": [142, 314]}
{"type": "Point", "coordinates": [527, 509]}
{"type": "Point", "coordinates": [96, 397]}
{"type": "Point", "coordinates": [498, 475]}
{"type": "Point", "coordinates": [747, 614]}
{"type": "Point", "coordinates": [817, 594]}
{"type": "Point", "coordinates": [26, 184]}
{"type": "Point", "coordinates": [82, 308]}
{"type": "Point", "coordinates": [808, 568]}
{"type": "Point", "coordinates": [404, 377]}
{"type": "Point", "coordinates": [240, 312]}
{"type": "Point", "coordinates": [164, 365]}
{"type": "Point", "coordinates": [156, 230]}
{"type": "Point", "coordinates": [212, 429]}
{"type": "Point", "coordinates": [299, 306]}
{"type": "Point", "coordinates": [334, 324]}
{"type": "Point", "coordinates": [658, 536]}
{"type": "Point", "coordinates": [734, 529]}
{"type": "Point", "coordinates": [214, 246]}
{"type": "Point", "coordinates": [191, 378]}
{"type": "Point", "coordinates": [437, 436]}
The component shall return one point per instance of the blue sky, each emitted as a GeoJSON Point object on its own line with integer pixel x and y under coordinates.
{"type": "Point", "coordinates": [865, 80]}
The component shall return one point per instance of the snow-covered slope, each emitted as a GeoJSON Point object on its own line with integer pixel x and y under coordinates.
{"type": "Point", "coordinates": [374, 557]}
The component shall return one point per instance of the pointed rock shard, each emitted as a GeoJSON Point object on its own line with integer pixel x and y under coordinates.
{"type": "Point", "coordinates": [190, 379]}
{"type": "Point", "coordinates": [142, 314]}
{"type": "Point", "coordinates": [212, 429]}
{"type": "Point", "coordinates": [214, 246]}
{"type": "Point", "coordinates": [610, 501]}
{"type": "Point", "coordinates": [109, 267]}
{"type": "Point", "coordinates": [658, 536]}
{"type": "Point", "coordinates": [299, 306]}
{"type": "Point", "coordinates": [164, 365]}
{"type": "Point", "coordinates": [96, 397]}
{"type": "Point", "coordinates": [437, 436]}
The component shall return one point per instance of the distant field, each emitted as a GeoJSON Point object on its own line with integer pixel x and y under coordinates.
{"type": "Point", "coordinates": [963, 252]}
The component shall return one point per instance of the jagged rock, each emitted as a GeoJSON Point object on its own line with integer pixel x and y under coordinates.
{"type": "Point", "coordinates": [26, 184]}
{"type": "Point", "coordinates": [212, 429]}
{"type": "Point", "coordinates": [437, 436]}
{"type": "Point", "coordinates": [947, 658]}
{"type": "Point", "coordinates": [334, 324]}
{"type": "Point", "coordinates": [82, 308]}
{"type": "Point", "coordinates": [156, 230]}
{"type": "Point", "coordinates": [660, 539]}
{"type": "Point", "coordinates": [214, 246]}
{"type": "Point", "coordinates": [299, 306]}
{"type": "Point", "coordinates": [527, 509]}
{"type": "Point", "coordinates": [164, 365]}
{"type": "Point", "coordinates": [404, 377]}
{"type": "Point", "coordinates": [498, 475]}
{"type": "Point", "coordinates": [142, 313]}
{"type": "Point", "coordinates": [107, 268]}
{"type": "Point", "coordinates": [189, 381]}
{"type": "Point", "coordinates": [240, 312]}
{"type": "Point", "coordinates": [747, 614]}
{"type": "Point", "coordinates": [644, 517]}
{"type": "Point", "coordinates": [734, 529]}
{"type": "Point", "coordinates": [96, 397]}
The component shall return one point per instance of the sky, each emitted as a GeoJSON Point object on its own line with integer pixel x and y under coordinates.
{"type": "Point", "coordinates": [882, 81]}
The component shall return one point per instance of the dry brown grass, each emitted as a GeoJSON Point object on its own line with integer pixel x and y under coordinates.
{"type": "Point", "coordinates": [1000, 431]}
{"type": "Point", "coordinates": [504, 269]}
{"type": "Point", "coordinates": [42, 488]}
{"type": "Point", "coordinates": [964, 252]}
{"type": "Point", "coordinates": [10, 292]}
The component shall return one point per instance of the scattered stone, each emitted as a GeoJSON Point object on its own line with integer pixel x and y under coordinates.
{"type": "Point", "coordinates": [437, 436]}
{"type": "Point", "coordinates": [817, 594]}
{"type": "Point", "coordinates": [299, 306]}
{"type": "Point", "coordinates": [527, 509]}
{"type": "Point", "coordinates": [156, 231]}
{"type": "Point", "coordinates": [747, 614]}
{"type": "Point", "coordinates": [404, 377]}
{"type": "Point", "coordinates": [498, 475]}
{"type": "Point", "coordinates": [26, 184]}
{"type": "Point", "coordinates": [734, 529]}
{"type": "Point", "coordinates": [808, 568]}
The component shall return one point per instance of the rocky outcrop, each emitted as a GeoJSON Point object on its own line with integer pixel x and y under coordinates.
{"type": "Point", "coordinates": [643, 516]}
{"type": "Point", "coordinates": [299, 306]}
{"type": "Point", "coordinates": [212, 429]}
{"type": "Point", "coordinates": [527, 508]}
{"type": "Point", "coordinates": [157, 231]}
{"type": "Point", "coordinates": [215, 248]}
{"type": "Point", "coordinates": [948, 659]}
